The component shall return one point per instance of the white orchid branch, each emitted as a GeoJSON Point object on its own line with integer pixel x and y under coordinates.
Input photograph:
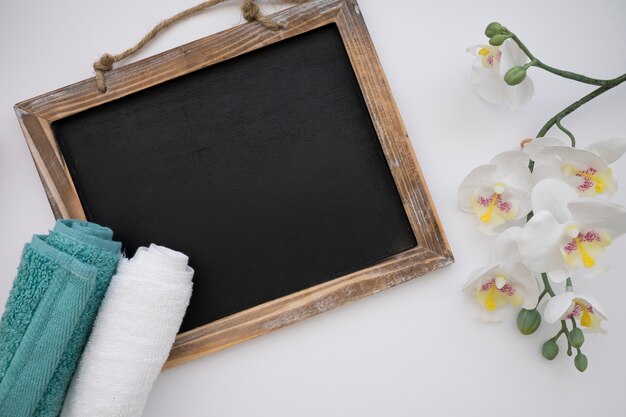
{"type": "Point", "coordinates": [556, 182]}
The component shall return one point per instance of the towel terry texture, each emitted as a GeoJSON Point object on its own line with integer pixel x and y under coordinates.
{"type": "Point", "coordinates": [132, 336]}
{"type": "Point", "coordinates": [61, 280]}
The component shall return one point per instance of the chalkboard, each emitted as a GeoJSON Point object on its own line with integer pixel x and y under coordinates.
{"type": "Point", "coordinates": [276, 160]}
{"type": "Point", "coordinates": [265, 169]}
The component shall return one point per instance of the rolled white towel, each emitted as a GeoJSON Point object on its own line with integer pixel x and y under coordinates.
{"type": "Point", "coordinates": [132, 336]}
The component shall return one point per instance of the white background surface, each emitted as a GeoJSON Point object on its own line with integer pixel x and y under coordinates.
{"type": "Point", "coordinates": [418, 349]}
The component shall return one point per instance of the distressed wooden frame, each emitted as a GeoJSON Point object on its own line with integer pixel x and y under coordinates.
{"type": "Point", "coordinates": [432, 252]}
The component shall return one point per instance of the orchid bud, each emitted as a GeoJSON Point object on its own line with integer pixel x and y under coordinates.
{"type": "Point", "coordinates": [525, 142]}
{"type": "Point", "coordinates": [528, 321]}
{"type": "Point", "coordinates": [550, 349]}
{"type": "Point", "coordinates": [497, 40]}
{"type": "Point", "coordinates": [495, 28]}
{"type": "Point", "coordinates": [515, 75]}
{"type": "Point", "coordinates": [580, 361]}
{"type": "Point", "coordinates": [577, 338]}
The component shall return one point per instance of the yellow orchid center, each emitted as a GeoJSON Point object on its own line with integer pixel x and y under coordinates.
{"type": "Point", "coordinates": [490, 302]}
{"type": "Point", "coordinates": [574, 232]}
{"type": "Point", "coordinates": [489, 56]}
{"type": "Point", "coordinates": [588, 261]}
{"type": "Point", "coordinates": [584, 313]}
{"type": "Point", "coordinates": [498, 190]}
{"type": "Point", "coordinates": [497, 292]}
{"type": "Point", "coordinates": [585, 320]}
{"type": "Point", "coordinates": [584, 247]}
{"type": "Point", "coordinates": [590, 175]}
{"type": "Point", "coordinates": [487, 216]}
{"type": "Point", "coordinates": [498, 285]}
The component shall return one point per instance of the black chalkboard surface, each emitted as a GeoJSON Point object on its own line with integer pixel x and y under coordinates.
{"type": "Point", "coordinates": [265, 169]}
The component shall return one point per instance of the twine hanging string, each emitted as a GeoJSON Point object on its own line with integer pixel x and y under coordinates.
{"type": "Point", "coordinates": [249, 9]}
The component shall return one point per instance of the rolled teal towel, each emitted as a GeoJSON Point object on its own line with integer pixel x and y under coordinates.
{"type": "Point", "coordinates": [90, 246]}
{"type": "Point", "coordinates": [48, 332]}
{"type": "Point", "coordinates": [33, 279]}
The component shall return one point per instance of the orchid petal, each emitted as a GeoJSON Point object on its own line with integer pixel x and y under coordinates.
{"type": "Point", "coordinates": [582, 157]}
{"type": "Point", "coordinates": [510, 157]}
{"type": "Point", "coordinates": [553, 195]}
{"type": "Point", "coordinates": [507, 245]}
{"type": "Point", "coordinates": [594, 303]}
{"type": "Point", "coordinates": [512, 56]}
{"type": "Point", "coordinates": [599, 214]}
{"type": "Point", "coordinates": [539, 243]}
{"type": "Point", "coordinates": [480, 176]}
{"type": "Point", "coordinates": [492, 227]}
{"type": "Point", "coordinates": [473, 279]}
{"type": "Point", "coordinates": [515, 174]}
{"type": "Point", "coordinates": [523, 279]}
{"type": "Point", "coordinates": [513, 169]}
{"type": "Point", "coordinates": [559, 275]}
{"type": "Point", "coordinates": [535, 147]}
{"type": "Point", "coordinates": [544, 170]}
{"type": "Point", "coordinates": [609, 149]}
{"type": "Point", "coordinates": [520, 201]}
{"type": "Point", "coordinates": [487, 83]}
{"type": "Point", "coordinates": [511, 223]}
{"type": "Point", "coordinates": [589, 273]}
{"type": "Point", "coordinates": [489, 316]}
{"type": "Point", "coordinates": [518, 95]}
{"type": "Point", "coordinates": [558, 307]}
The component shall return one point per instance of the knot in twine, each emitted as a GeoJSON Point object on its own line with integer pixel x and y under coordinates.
{"type": "Point", "coordinates": [105, 63]}
{"type": "Point", "coordinates": [249, 9]}
{"type": "Point", "coordinates": [251, 12]}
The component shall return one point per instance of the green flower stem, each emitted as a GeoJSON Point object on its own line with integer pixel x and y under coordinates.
{"type": "Point", "coordinates": [568, 337]}
{"type": "Point", "coordinates": [530, 64]}
{"type": "Point", "coordinates": [564, 330]}
{"type": "Point", "coordinates": [565, 74]}
{"type": "Point", "coordinates": [556, 120]}
{"type": "Point", "coordinates": [569, 109]}
{"type": "Point", "coordinates": [546, 284]}
{"type": "Point", "coordinates": [543, 294]}
{"type": "Point", "coordinates": [567, 132]}
{"type": "Point", "coordinates": [605, 85]}
{"type": "Point", "coordinates": [547, 289]}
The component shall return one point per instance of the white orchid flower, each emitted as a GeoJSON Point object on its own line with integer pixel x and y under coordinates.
{"type": "Point", "coordinates": [507, 281]}
{"type": "Point", "coordinates": [488, 70]}
{"type": "Point", "coordinates": [499, 191]}
{"type": "Point", "coordinates": [568, 233]}
{"type": "Point", "coordinates": [587, 170]}
{"type": "Point", "coordinates": [584, 309]}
